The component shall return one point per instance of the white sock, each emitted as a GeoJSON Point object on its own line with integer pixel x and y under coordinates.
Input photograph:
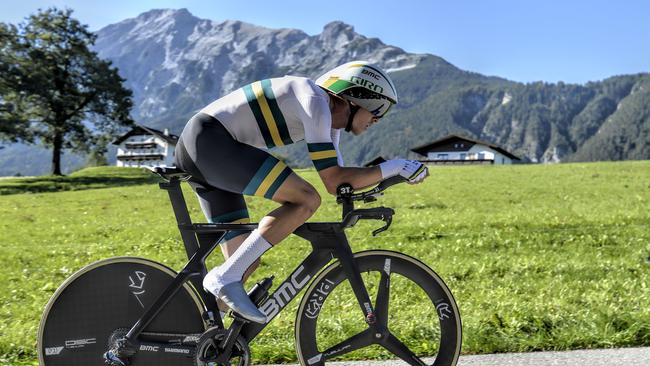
{"type": "Point", "coordinates": [233, 269]}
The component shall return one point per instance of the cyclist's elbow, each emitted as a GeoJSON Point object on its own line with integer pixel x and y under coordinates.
{"type": "Point", "coordinates": [331, 189]}
{"type": "Point", "coordinates": [332, 178]}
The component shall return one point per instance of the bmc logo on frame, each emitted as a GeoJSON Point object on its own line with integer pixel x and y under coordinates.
{"type": "Point", "coordinates": [284, 294]}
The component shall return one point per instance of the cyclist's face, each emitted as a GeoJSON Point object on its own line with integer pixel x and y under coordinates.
{"type": "Point", "coordinates": [362, 121]}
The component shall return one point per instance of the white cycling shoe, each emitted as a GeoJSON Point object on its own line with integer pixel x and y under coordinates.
{"type": "Point", "coordinates": [234, 295]}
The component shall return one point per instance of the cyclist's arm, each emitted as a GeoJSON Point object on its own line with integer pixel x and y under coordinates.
{"type": "Point", "coordinates": [322, 144]}
{"type": "Point", "coordinates": [336, 175]}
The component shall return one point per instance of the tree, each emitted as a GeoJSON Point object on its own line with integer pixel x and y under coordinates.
{"type": "Point", "coordinates": [55, 90]}
{"type": "Point", "coordinates": [13, 125]}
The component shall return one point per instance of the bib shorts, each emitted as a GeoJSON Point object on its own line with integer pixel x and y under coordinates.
{"type": "Point", "coordinates": [224, 170]}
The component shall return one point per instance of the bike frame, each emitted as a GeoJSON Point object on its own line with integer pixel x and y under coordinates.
{"type": "Point", "coordinates": [328, 242]}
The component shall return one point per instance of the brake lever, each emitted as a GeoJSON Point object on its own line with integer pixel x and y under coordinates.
{"type": "Point", "coordinates": [388, 221]}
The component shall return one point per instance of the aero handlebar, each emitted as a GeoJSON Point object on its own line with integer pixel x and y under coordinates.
{"type": "Point", "coordinates": [346, 196]}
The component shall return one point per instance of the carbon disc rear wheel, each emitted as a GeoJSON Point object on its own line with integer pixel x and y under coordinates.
{"type": "Point", "coordinates": [106, 296]}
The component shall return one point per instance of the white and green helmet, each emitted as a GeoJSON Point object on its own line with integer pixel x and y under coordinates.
{"type": "Point", "coordinates": [363, 84]}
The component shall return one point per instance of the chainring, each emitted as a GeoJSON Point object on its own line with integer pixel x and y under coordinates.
{"type": "Point", "coordinates": [207, 350]}
{"type": "Point", "coordinates": [115, 336]}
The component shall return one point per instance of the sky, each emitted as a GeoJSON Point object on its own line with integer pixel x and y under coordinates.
{"type": "Point", "coordinates": [574, 41]}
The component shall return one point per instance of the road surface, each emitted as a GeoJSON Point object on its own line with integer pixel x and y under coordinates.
{"type": "Point", "coordinates": [600, 357]}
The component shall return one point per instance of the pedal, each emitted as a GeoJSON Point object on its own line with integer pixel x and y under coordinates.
{"type": "Point", "coordinates": [236, 317]}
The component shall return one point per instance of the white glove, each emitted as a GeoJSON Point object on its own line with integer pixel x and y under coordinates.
{"type": "Point", "coordinates": [419, 176]}
{"type": "Point", "coordinates": [412, 170]}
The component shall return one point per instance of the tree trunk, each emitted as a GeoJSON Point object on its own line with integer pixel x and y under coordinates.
{"type": "Point", "coordinates": [56, 153]}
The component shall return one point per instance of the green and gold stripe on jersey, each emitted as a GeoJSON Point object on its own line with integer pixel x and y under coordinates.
{"type": "Point", "coordinates": [323, 155]}
{"type": "Point", "coordinates": [270, 120]}
{"type": "Point", "coordinates": [268, 178]}
{"type": "Point", "coordinates": [234, 217]}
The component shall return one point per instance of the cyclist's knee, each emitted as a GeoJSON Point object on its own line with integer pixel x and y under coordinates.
{"type": "Point", "coordinates": [310, 200]}
{"type": "Point", "coordinates": [300, 193]}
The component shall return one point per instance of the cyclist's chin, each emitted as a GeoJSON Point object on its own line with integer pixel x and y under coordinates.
{"type": "Point", "coordinates": [359, 131]}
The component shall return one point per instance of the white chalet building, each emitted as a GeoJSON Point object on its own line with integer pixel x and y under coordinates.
{"type": "Point", "coordinates": [145, 147]}
{"type": "Point", "coordinates": [455, 149]}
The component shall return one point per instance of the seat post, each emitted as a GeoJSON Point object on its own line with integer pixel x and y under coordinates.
{"type": "Point", "coordinates": [173, 188]}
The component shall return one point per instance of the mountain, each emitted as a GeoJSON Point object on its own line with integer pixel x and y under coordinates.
{"type": "Point", "coordinates": [27, 160]}
{"type": "Point", "coordinates": [176, 63]}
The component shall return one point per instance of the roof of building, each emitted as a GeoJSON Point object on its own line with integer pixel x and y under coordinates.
{"type": "Point", "coordinates": [144, 130]}
{"type": "Point", "coordinates": [422, 150]}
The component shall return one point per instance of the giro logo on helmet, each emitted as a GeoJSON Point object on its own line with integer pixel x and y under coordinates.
{"type": "Point", "coordinates": [367, 84]}
{"type": "Point", "coordinates": [362, 83]}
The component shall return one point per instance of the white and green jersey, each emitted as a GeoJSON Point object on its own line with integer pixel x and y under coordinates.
{"type": "Point", "coordinates": [281, 111]}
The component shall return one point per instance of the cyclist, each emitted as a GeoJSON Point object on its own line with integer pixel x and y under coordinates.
{"type": "Point", "coordinates": [224, 147]}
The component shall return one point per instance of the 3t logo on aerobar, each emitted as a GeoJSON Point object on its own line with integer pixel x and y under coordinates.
{"type": "Point", "coordinates": [137, 285]}
{"type": "Point", "coordinates": [284, 294]}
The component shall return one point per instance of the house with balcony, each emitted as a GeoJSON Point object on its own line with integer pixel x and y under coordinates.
{"type": "Point", "coordinates": [145, 147]}
{"type": "Point", "coordinates": [455, 149]}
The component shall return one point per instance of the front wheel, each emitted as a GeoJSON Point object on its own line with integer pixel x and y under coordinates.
{"type": "Point", "coordinates": [417, 319]}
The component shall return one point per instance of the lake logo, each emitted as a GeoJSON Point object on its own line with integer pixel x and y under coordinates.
{"type": "Point", "coordinates": [138, 285]}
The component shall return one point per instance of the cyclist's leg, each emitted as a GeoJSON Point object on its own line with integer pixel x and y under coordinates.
{"type": "Point", "coordinates": [211, 155]}
{"type": "Point", "coordinates": [221, 206]}
{"type": "Point", "coordinates": [299, 201]}
{"type": "Point", "coordinates": [208, 149]}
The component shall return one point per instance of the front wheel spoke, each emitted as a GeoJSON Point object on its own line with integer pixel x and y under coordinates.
{"type": "Point", "coordinates": [355, 342]}
{"type": "Point", "coordinates": [383, 295]}
{"type": "Point", "coordinates": [399, 349]}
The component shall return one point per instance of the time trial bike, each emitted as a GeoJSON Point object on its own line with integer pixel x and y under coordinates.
{"type": "Point", "coordinates": [134, 311]}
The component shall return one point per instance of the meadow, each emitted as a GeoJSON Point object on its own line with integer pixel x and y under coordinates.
{"type": "Point", "coordinates": [538, 257]}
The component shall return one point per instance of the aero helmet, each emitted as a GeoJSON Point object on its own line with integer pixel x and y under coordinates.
{"type": "Point", "coordinates": [363, 84]}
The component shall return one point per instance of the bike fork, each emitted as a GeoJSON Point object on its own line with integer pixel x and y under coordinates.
{"type": "Point", "coordinates": [351, 269]}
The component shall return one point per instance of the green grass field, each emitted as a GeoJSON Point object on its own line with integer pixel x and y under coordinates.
{"type": "Point", "coordinates": [539, 257]}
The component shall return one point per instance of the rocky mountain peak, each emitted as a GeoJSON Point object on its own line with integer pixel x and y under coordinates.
{"type": "Point", "coordinates": [166, 54]}
{"type": "Point", "coordinates": [154, 14]}
{"type": "Point", "coordinates": [338, 34]}
{"type": "Point", "coordinates": [337, 28]}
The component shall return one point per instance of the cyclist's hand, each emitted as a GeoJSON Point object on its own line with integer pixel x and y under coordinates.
{"type": "Point", "coordinates": [412, 170]}
{"type": "Point", "coordinates": [419, 177]}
